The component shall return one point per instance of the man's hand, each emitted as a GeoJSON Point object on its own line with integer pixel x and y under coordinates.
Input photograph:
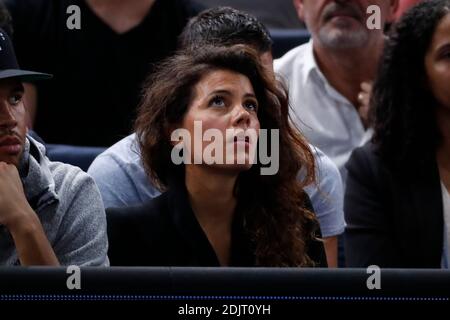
{"type": "Point", "coordinates": [14, 207]}
{"type": "Point", "coordinates": [364, 102]}
{"type": "Point", "coordinates": [32, 245]}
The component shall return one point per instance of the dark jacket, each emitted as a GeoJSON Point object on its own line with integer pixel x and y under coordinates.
{"type": "Point", "coordinates": [165, 232]}
{"type": "Point", "coordinates": [394, 216]}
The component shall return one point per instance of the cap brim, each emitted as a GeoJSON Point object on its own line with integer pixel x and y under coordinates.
{"type": "Point", "coordinates": [24, 75]}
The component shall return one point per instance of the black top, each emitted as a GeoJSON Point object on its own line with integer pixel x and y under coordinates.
{"type": "Point", "coordinates": [97, 73]}
{"type": "Point", "coordinates": [394, 216]}
{"type": "Point", "coordinates": [165, 232]}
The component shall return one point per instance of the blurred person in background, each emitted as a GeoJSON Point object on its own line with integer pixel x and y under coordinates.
{"type": "Point", "coordinates": [397, 201]}
{"type": "Point", "coordinates": [99, 68]}
{"type": "Point", "coordinates": [277, 14]}
{"type": "Point", "coordinates": [325, 76]}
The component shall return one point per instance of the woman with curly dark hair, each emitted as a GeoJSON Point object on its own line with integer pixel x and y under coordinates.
{"type": "Point", "coordinates": [212, 213]}
{"type": "Point", "coordinates": [397, 201]}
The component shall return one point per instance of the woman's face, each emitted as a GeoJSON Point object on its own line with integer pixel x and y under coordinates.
{"type": "Point", "coordinates": [222, 120]}
{"type": "Point", "coordinates": [437, 63]}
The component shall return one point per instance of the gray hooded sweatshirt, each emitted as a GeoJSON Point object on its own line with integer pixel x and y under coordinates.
{"type": "Point", "coordinates": [69, 206]}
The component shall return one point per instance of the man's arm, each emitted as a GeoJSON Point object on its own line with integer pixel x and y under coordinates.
{"type": "Point", "coordinates": [32, 245]}
{"type": "Point", "coordinates": [331, 250]}
{"type": "Point", "coordinates": [327, 198]}
{"type": "Point", "coordinates": [81, 239]}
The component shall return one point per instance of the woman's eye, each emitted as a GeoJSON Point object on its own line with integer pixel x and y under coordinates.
{"type": "Point", "coordinates": [251, 105]}
{"type": "Point", "coordinates": [15, 99]}
{"type": "Point", "coordinates": [217, 102]}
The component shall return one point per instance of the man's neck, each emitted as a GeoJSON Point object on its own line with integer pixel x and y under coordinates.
{"type": "Point", "coordinates": [121, 16]}
{"type": "Point", "coordinates": [346, 69]}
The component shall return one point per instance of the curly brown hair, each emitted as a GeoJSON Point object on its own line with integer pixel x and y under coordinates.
{"type": "Point", "coordinates": [403, 108]}
{"type": "Point", "coordinates": [274, 207]}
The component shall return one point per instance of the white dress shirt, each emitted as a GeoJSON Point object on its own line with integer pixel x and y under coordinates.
{"type": "Point", "coordinates": [327, 119]}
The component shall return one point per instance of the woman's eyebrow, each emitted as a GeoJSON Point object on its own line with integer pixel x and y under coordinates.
{"type": "Point", "coordinates": [249, 95]}
{"type": "Point", "coordinates": [220, 91]}
{"type": "Point", "coordinates": [228, 93]}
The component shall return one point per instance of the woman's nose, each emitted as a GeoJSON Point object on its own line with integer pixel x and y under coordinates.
{"type": "Point", "coordinates": [241, 116]}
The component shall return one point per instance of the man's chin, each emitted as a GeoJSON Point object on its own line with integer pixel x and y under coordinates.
{"type": "Point", "coordinates": [11, 159]}
{"type": "Point", "coordinates": [341, 38]}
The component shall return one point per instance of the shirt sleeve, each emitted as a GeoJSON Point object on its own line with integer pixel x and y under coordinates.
{"type": "Point", "coordinates": [327, 197]}
{"type": "Point", "coordinates": [117, 187]}
{"type": "Point", "coordinates": [82, 237]}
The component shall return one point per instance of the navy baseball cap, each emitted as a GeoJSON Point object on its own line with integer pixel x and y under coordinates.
{"type": "Point", "coordinates": [9, 68]}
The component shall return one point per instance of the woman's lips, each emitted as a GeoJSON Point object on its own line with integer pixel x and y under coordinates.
{"type": "Point", "coordinates": [242, 140]}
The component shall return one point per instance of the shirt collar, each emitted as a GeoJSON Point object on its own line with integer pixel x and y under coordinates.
{"type": "Point", "coordinates": [313, 73]}
{"type": "Point", "coordinates": [309, 62]}
{"type": "Point", "coordinates": [37, 180]}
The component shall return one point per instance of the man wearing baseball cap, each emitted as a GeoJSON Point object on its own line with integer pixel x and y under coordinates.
{"type": "Point", "coordinates": [50, 213]}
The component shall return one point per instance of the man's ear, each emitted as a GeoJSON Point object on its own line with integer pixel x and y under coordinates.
{"type": "Point", "coordinates": [393, 7]}
{"type": "Point", "coordinates": [298, 4]}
